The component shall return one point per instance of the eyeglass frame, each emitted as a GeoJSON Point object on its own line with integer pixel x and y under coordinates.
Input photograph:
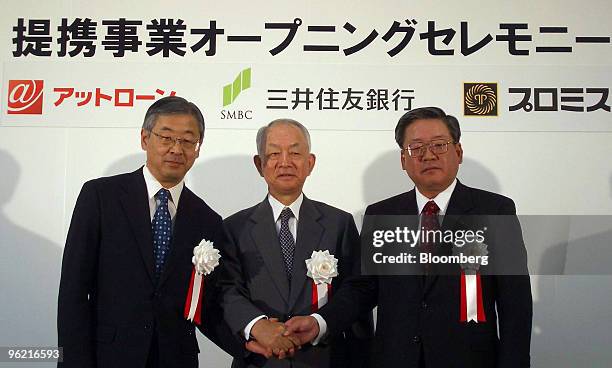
{"type": "Point", "coordinates": [427, 147]}
{"type": "Point", "coordinates": [165, 140]}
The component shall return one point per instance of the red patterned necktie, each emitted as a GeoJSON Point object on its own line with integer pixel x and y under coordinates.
{"type": "Point", "coordinates": [429, 222]}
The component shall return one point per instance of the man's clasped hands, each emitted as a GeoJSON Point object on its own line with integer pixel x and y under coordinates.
{"type": "Point", "coordinates": [272, 338]}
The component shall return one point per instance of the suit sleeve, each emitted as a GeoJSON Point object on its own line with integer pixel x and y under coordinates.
{"type": "Point", "coordinates": [237, 307]}
{"type": "Point", "coordinates": [364, 327]}
{"type": "Point", "coordinates": [77, 291]}
{"type": "Point", "coordinates": [357, 295]}
{"type": "Point", "coordinates": [214, 325]}
{"type": "Point", "coordinates": [513, 299]}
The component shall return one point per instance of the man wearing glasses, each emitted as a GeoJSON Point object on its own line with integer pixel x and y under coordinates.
{"type": "Point", "coordinates": [420, 322]}
{"type": "Point", "coordinates": [127, 262]}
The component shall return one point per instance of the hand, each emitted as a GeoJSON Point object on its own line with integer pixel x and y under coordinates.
{"type": "Point", "coordinates": [269, 337]}
{"type": "Point", "coordinates": [304, 328]}
{"type": "Point", "coordinates": [257, 348]}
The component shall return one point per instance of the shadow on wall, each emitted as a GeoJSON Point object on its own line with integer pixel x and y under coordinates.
{"type": "Point", "coordinates": [572, 317]}
{"type": "Point", "coordinates": [227, 184]}
{"type": "Point", "coordinates": [29, 274]}
{"type": "Point", "coordinates": [474, 174]}
{"type": "Point", "coordinates": [126, 164]}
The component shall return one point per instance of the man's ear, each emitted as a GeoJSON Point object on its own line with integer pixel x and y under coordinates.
{"type": "Point", "coordinates": [402, 158]}
{"type": "Point", "coordinates": [312, 159]}
{"type": "Point", "coordinates": [258, 164]}
{"type": "Point", "coordinates": [144, 139]}
{"type": "Point", "coordinates": [197, 152]}
{"type": "Point", "coordinates": [459, 150]}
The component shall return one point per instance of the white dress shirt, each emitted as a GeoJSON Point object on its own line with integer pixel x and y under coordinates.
{"type": "Point", "coordinates": [441, 199]}
{"type": "Point", "coordinates": [277, 208]}
{"type": "Point", "coordinates": [153, 186]}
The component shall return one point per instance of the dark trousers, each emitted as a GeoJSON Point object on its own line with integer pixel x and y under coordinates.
{"type": "Point", "coordinates": [153, 359]}
{"type": "Point", "coordinates": [422, 358]}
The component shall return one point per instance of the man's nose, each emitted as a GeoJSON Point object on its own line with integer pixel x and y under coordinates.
{"type": "Point", "coordinates": [176, 148]}
{"type": "Point", "coordinates": [285, 159]}
{"type": "Point", "coordinates": [429, 155]}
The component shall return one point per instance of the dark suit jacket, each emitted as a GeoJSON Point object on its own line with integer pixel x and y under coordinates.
{"type": "Point", "coordinates": [109, 308]}
{"type": "Point", "coordinates": [419, 315]}
{"type": "Point", "coordinates": [255, 282]}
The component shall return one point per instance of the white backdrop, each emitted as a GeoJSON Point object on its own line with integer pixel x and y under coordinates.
{"type": "Point", "coordinates": [549, 162]}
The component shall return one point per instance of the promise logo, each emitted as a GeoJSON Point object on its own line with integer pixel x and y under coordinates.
{"type": "Point", "coordinates": [480, 99]}
{"type": "Point", "coordinates": [25, 97]}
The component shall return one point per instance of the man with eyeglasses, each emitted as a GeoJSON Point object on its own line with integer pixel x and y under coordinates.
{"type": "Point", "coordinates": [420, 323]}
{"type": "Point", "coordinates": [127, 264]}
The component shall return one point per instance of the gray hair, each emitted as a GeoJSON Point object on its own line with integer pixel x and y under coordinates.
{"type": "Point", "coordinates": [262, 134]}
{"type": "Point", "coordinates": [172, 105]}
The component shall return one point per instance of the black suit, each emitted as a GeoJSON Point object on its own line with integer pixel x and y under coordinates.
{"type": "Point", "coordinates": [418, 317]}
{"type": "Point", "coordinates": [256, 281]}
{"type": "Point", "coordinates": [111, 313]}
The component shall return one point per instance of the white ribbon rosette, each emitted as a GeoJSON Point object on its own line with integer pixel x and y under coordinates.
{"type": "Point", "coordinates": [474, 249]}
{"type": "Point", "coordinates": [471, 305]}
{"type": "Point", "coordinates": [205, 259]}
{"type": "Point", "coordinates": [321, 267]}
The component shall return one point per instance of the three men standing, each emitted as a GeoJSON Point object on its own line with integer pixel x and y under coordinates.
{"type": "Point", "coordinates": [127, 262]}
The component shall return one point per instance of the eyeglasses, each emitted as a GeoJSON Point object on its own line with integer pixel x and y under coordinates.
{"type": "Point", "coordinates": [437, 147]}
{"type": "Point", "coordinates": [182, 142]}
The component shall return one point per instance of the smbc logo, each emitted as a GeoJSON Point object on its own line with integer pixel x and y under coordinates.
{"type": "Point", "coordinates": [231, 92]}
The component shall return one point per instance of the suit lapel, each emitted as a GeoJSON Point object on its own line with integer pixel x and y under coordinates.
{"type": "Point", "coordinates": [309, 232]}
{"type": "Point", "coordinates": [408, 207]}
{"type": "Point", "coordinates": [182, 233]}
{"type": "Point", "coordinates": [136, 206]}
{"type": "Point", "coordinates": [460, 204]}
{"type": "Point", "coordinates": [265, 238]}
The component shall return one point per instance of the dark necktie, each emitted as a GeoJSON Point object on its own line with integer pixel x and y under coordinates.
{"type": "Point", "coordinates": [162, 231]}
{"type": "Point", "coordinates": [286, 241]}
{"type": "Point", "coordinates": [429, 222]}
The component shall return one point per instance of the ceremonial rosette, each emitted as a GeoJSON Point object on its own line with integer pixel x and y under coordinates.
{"type": "Point", "coordinates": [205, 259]}
{"type": "Point", "coordinates": [321, 267]}
{"type": "Point", "coordinates": [471, 306]}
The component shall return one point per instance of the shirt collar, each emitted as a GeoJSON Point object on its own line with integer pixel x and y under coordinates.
{"type": "Point", "coordinates": [153, 186]}
{"type": "Point", "coordinates": [278, 207]}
{"type": "Point", "coordinates": [441, 199]}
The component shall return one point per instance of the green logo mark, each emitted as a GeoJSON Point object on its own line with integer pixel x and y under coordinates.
{"type": "Point", "coordinates": [231, 91]}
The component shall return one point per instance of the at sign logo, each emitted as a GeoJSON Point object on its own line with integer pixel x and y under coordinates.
{"type": "Point", "coordinates": [25, 96]}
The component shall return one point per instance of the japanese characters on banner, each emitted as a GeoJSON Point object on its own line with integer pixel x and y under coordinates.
{"type": "Point", "coordinates": [352, 69]}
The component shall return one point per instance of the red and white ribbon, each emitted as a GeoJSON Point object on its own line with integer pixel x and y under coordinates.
{"type": "Point", "coordinates": [472, 308]}
{"type": "Point", "coordinates": [320, 295]}
{"type": "Point", "coordinates": [193, 304]}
